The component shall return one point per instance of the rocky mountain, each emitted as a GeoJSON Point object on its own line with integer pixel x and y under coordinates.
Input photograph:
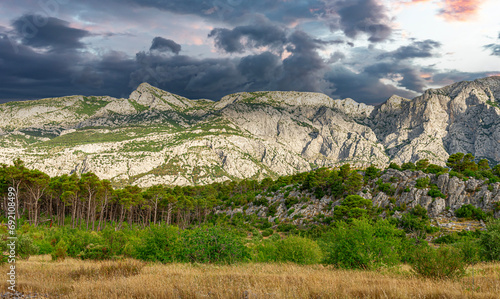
{"type": "Point", "coordinates": [291, 204]}
{"type": "Point", "coordinates": [155, 137]}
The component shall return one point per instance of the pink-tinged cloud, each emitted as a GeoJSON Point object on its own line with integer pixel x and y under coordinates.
{"type": "Point", "coordinates": [455, 10]}
{"type": "Point", "coordinates": [460, 10]}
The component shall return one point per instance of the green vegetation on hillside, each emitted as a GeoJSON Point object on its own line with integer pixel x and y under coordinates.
{"type": "Point", "coordinates": [83, 216]}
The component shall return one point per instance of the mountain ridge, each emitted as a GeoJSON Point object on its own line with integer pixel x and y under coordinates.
{"type": "Point", "coordinates": [158, 137]}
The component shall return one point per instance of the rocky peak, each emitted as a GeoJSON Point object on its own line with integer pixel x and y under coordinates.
{"type": "Point", "coordinates": [155, 98]}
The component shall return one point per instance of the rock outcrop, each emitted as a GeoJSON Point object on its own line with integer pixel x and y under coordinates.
{"type": "Point", "coordinates": [307, 208]}
{"type": "Point", "coordinates": [155, 137]}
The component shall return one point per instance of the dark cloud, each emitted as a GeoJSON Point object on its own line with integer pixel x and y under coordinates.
{"type": "Point", "coordinates": [188, 76]}
{"type": "Point", "coordinates": [362, 87]}
{"type": "Point", "coordinates": [28, 74]}
{"type": "Point", "coordinates": [418, 49]}
{"type": "Point", "coordinates": [46, 32]}
{"type": "Point", "coordinates": [165, 45]}
{"type": "Point", "coordinates": [495, 48]}
{"type": "Point", "coordinates": [442, 78]}
{"type": "Point", "coordinates": [353, 17]}
{"type": "Point", "coordinates": [214, 78]}
{"type": "Point", "coordinates": [260, 34]}
{"type": "Point", "coordinates": [236, 11]}
{"type": "Point", "coordinates": [261, 71]}
{"type": "Point", "coordinates": [406, 75]}
{"type": "Point", "coordinates": [360, 16]}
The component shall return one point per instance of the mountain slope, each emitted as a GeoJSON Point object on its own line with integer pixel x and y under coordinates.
{"type": "Point", "coordinates": [158, 137]}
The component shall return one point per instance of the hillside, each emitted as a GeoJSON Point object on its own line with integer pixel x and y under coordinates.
{"type": "Point", "coordinates": [155, 137]}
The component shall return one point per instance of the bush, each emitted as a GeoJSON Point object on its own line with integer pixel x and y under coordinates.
{"type": "Point", "coordinates": [387, 188]}
{"type": "Point", "coordinates": [470, 212]}
{"type": "Point", "coordinates": [353, 206]}
{"type": "Point", "coordinates": [469, 249]}
{"type": "Point", "coordinates": [25, 247]}
{"type": "Point", "coordinates": [490, 242]}
{"type": "Point", "coordinates": [298, 250]}
{"type": "Point", "coordinates": [213, 245]}
{"type": "Point", "coordinates": [415, 221]}
{"type": "Point", "coordinates": [60, 251]}
{"type": "Point", "coordinates": [362, 245]}
{"type": "Point", "coordinates": [292, 249]}
{"type": "Point", "coordinates": [439, 263]}
{"type": "Point", "coordinates": [267, 232]}
{"type": "Point", "coordinates": [408, 166]}
{"type": "Point", "coordinates": [265, 252]}
{"type": "Point", "coordinates": [394, 166]}
{"type": "Point", "coordinates": [95, 252]}
{"type": "Point", "coordinates": [435, 192]}
{"type": "Point", "coordinates": [160, 243]}
{"type": "Point", "coordinates": [422, 183]}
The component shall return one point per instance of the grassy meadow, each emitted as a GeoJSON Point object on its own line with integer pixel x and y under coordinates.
{"type": "Point", "coordinates": [129, 278]}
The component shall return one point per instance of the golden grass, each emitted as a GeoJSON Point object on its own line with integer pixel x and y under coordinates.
{"type": "Point", "coordinates": [133, 279]}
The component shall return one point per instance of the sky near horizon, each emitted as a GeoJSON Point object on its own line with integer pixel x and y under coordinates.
{"type": "Point", "coordinates": [367, 50]}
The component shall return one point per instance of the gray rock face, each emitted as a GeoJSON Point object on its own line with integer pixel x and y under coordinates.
{"type": "Point", "coordinates": [156, 137]}
{"type": "Point", "coordinates": [456, 192]}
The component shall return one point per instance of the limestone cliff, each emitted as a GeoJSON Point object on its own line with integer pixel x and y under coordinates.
{"type": "Point", "coordinates": [157, 137]}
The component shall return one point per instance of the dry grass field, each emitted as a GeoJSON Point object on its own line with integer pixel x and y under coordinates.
{"type": "Point", "coordinates": [133, 279]}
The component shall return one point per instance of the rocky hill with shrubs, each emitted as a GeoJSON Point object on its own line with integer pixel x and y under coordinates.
{"type": "Point", "coordinates": [155, 137]}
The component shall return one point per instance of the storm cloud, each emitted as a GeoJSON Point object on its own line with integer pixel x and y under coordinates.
{"type": "Point", "coordinates": [240, 38]}
{"type": "Point", "coordinates": [46, 32]}
{"type": "Point", "coordinates": [165, 45]}
{"type": "Point", "coordinates": [211, 48]}
{"type": "Point", "coordinates": [418, 49]}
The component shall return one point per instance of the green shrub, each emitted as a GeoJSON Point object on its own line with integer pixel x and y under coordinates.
{"type": "Point", "coordinates": [298, 250]}
{"type": "Point", "coordinates": [362, 245]}
{"type": "Point", "coordinates": [291, 249]}
{"type": "Point", "coordinates": [408, 166]}
{"type": "Point", "coordinates": [372, 172]}
{"type": "Point", "coordinates": [447, 239]}
{"type": "Point", "coordinates": [415, 221]}
{"type": "Point", "coordinates": [60, 251]}
{"type": "Point", "coordinates": [267, 232]}
{"type": "Point", "coordinates": [394, 166]}
{"type": "Point", "coordinates": [436, 169]}
{"type": "Point", "coordinates": [470, 212]}
{"type": "Point", "coordinates": [435, 192]}
{"type": "Point", "coordinates": [25, 247]}
{"type": "Point", "coordinates": [213, 245]}
{"type": "Point", "coordinates": [422, 183]}
{"type": "Point", "coordinates": [469, 249]}
{"type": "Point", "coordinates": [387, 188]}
{"type": "Point", "coordinates": [490, 241]}
{"type": "Point", "coordinates": [439, 263]}
{"type": "Point", "coordinates": [353, 207]}
{"type": "Point", "coordinates": [285, 227]}
{"type": "Point", "coordinates": [95, 252]}
{"type": "Point", "coordinates": [265, 252]}
{"type": "Point", "coordinates": [45, 246]}
{"type": "Point", "coordinates": [160, 243]}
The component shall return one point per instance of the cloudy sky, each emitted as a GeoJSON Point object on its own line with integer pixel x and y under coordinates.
{"type": "Point", "coordinates": [367, 50]}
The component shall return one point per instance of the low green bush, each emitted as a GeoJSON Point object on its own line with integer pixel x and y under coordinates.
{"type": "Point", "coordinates": [490, 242]}
{"type": "Point", "coordinates": [422, 183]}
{"type": "Point", "coordinates": [60, 251]}
{"type": "Point", "coordinates": [293, 249]}
{"type": "Point", "coordinates": [441, 263]}
{"type": "Point", "coordinates": [213, 245]}
{"type": "Point", "coordinates": [160, 243]}
{"type": "Point", "coordinates": [267, 232]}
{"type": "Point", "coordinates": [298, 250]}
{"type": "Point", "coordinates": [362, 245]}
{"type": "Point", "coordinates": [95, 252]}
{"type": "Point", "coordinates": [470, 212]}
